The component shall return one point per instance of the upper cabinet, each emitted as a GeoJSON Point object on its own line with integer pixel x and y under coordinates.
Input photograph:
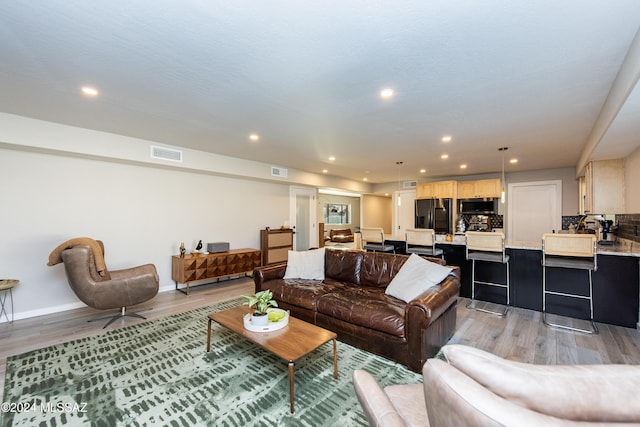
{"type": "Point", "coordinates": [436, 190]}
{"type": "Point", "coordinates": [602, 190]}
{"type": "Point", "coordinates": [482, 188]}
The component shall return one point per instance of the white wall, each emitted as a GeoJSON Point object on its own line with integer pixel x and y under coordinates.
{"type": "Point", "coordinates": [140, 213]}
{"type": "Point", "coordinates": [376, 212]}
{"type": "Point", "coordinates": [58, 182]}
{"type": "Point", "coordinates": [631, 178]}
{"type": "Point", "coordinates": [569, 184]}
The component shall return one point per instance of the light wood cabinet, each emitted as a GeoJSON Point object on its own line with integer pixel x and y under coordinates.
{"type": "Point", "coordinates": [482, 188]}
{"type": "Point", "coordinates": [436, 190]}
{"type": "Point", "coordinates": [603, 190]}
{"type": "Point", "coordinates": [275, 245]}
{"type": "Point", "coordinates": [200, 267]}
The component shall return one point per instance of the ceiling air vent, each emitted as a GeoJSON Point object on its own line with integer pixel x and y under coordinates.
{"type": "Point", "coordinates": [166, 154]}
{"type": "Point", "coordinates": [409, 184]}
{"type": "Point", "coordinates": [279, 172]}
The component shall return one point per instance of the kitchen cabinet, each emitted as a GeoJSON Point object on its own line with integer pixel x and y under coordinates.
{"type": "Point", "coordinates": [603, 189]}
{"type": "Point", "coordinates": [482, 188]}
{"type": "Point", "coordinates": [436, 190]}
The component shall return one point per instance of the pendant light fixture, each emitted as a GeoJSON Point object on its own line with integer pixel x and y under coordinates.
{"type": "Point", "coordinates": [502, 193]}
{"type": "Point", "coordinates": [399, 186]}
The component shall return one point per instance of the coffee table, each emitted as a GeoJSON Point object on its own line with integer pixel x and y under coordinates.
{"type": "Point", "coordinates": [290, 343]}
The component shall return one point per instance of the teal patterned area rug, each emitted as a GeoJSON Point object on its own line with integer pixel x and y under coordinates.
{"type": "Point", "coordinates": [158, 373]}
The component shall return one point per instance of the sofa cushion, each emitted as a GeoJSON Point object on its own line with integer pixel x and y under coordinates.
{"type": "Point", "coordinates": [301, 292]}
{"type": "Point", "coordinates": [343, 266]}
{"type": "Point", "coordinates": [378, 269]}
{"type": "Point", "coordinates": [415, 277]}
{"type": "Point", "coordinates": [305, 265]}
{"type": "Point", "coordinates": [367, 307]}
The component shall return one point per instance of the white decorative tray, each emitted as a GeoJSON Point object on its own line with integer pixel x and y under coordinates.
{"type": "Point", "coordinates": [272, 326]}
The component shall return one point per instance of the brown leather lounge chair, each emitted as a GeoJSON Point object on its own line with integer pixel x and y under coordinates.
{"type": "Point", "coordinates": [100, 288]}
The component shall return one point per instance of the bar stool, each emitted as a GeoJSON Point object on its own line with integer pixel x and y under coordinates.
{"type": "Point", "coordinates": [487, 247]}
{"type": "Point", "coordinates": [577, 251]}
{"type": "Point", "coordinates": [422, 241]}
{"type": "Point", "coordinates": [6, 287]}
{"type": "Point", "coordinates": [373, 240]}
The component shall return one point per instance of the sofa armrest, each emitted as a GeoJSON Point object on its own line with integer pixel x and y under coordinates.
{"type": "Point", "coordinates": [423, 310]}
{"type": "Point", "coordinates": [261, 275]}
{"type": "Point", "coordinates": [374, 401]}
{"type": "Point", "coordinates": [430, 319]}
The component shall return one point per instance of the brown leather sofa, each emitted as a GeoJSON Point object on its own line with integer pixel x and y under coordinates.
{"type": "Point", "coordinates": [351, 301]}
{"type": "Point", "coordinates": [341, 235]}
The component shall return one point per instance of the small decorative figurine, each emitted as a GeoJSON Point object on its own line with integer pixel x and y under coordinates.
{"type": "Point", "coordinates": [182, 250]}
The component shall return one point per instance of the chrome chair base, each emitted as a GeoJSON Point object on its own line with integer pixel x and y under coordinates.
{"type": "Point", "coordinates": [471, 306]}
{"type": "Point", "coordinates": [592, 331]}
{"type": "Point", "coordinates": [122, 313]}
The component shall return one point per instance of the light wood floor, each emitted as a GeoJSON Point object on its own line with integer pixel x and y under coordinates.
{"type": "Point", "coordinates": [521, 335]}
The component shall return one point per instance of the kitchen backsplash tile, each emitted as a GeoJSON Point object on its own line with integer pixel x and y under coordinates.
{"type": "Point", "coordinates": [628, 225]}
{"type": "Point", "coordinates": [568, 220]}
{"type": "Point", "coordinates": [495, 221]}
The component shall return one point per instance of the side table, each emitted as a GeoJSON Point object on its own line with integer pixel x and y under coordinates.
{"type": "Point", "coordinates": [6, 287]}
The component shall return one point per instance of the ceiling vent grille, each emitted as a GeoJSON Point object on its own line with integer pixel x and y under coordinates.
{"type": "Point", "coordinates": [409, 184]}
{"type": "Point", "coordinates": [279, 172]}
{"type": "Point", "coordinates": [166, 154]}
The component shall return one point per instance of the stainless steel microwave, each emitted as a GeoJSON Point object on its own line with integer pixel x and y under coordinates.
{"type": "Point", "coordinates": [478, 206]}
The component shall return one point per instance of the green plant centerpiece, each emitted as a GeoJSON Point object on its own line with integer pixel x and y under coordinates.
{"type": "Point", "coordinates": [260, 302]}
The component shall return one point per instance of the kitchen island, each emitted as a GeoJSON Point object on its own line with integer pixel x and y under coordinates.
{"type": "Point", "coordinates": [616, 282]}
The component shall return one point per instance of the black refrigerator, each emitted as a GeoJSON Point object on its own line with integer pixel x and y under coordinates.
{"type": "Point", "coordinates": [436, 214]}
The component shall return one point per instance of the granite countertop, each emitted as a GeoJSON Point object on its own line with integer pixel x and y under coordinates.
{"type": "Point", "coordinates": [622, 247]}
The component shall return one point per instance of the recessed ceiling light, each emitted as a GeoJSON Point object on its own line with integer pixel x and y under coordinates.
{"type": "Point", "coordinates": [89, 91]}
{"type": "Point", "coordinates": [513, 161]}
{"type": "Point", "coordinates": [423, 171]}
{"type": "Point", "coordinates": [365, 179]}
{"type": "Point", "coordinates": [332, 158]}
{"type": "Point", "coordinates": [386, 93]}
{"type": "Point", "coordinates": [446, 138]}
{"type": "Point", "coordinates": [463, 166]}
{"type": "Point", "coordinates": [254, 137]}
{"type": "Point", "coordinates": [444, 156]}
{"type": "Point", "coordinates": [325, 171]}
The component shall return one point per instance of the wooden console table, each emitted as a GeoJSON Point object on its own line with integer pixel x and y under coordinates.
{"type": "Point", "coordinates": [200, 267]}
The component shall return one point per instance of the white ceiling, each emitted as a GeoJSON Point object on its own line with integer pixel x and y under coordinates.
{"type": "Point", "coordinates": [529, 75]}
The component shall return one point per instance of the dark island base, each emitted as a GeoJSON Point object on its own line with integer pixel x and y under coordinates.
{"type": "Point", "coordinates": [615, 285]}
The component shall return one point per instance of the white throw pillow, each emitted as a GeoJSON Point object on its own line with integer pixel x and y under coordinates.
{"type": "Point", "coordinates": [416, 276]}
{"type": "Point", "coordinates": [305, 265]}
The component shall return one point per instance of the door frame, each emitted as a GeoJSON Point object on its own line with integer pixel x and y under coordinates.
{"type": "Point", "coordinates": [312, 192]}
{"type": "Point", "coordinates": [396, 216]}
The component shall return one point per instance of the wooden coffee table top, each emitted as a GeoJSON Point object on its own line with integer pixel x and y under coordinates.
{"type": "Point", "coordinates": [290, 343]}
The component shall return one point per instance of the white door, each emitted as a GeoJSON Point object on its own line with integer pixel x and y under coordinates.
{"type": "Point", "coordinates": [303, 213]}
{"type": "Point", "coordinates": [405, 212]}
{"type": "Point", "coordinates": [533, 208]}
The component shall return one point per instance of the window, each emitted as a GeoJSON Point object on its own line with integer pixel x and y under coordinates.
{"type": "Point", "coordinates": [337, 214]}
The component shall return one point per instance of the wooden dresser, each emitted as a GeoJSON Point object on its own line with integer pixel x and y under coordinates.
{"type": "Point", "coordinates": [193, 268]}
{"type": "Point", "coordinates": [275, 245]}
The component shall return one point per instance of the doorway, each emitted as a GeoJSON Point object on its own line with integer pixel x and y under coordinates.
{"type": "Point", "coordinates": [302, 214]}
{"type": "Point", "coordinates": [533, 208]}
{"type": "Point", "coordinates": [405, 212]}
